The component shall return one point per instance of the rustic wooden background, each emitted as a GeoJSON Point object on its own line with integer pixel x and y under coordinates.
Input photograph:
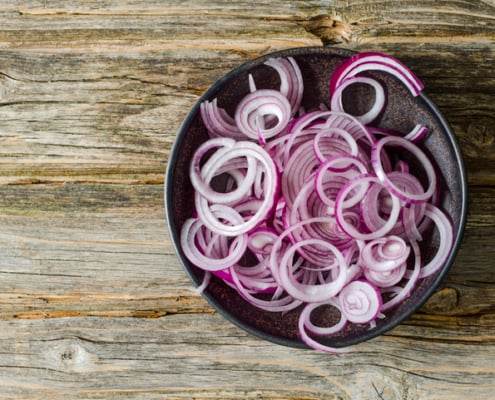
{"type": "Point", "coordinates": [93, 301]}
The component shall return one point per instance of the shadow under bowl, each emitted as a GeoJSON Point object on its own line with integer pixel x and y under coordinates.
{"type": "Point", "coordinates": [402, 113]}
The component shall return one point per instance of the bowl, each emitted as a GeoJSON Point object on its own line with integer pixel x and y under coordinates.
{"type": "Point", "coordinates": [317, 65]}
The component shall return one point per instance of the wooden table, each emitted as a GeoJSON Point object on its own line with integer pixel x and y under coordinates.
{"type": "Point", "coordinates": [93, 301]}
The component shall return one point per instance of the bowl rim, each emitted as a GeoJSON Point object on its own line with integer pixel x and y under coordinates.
{"type": "Point", "coordinates": [175, 234]}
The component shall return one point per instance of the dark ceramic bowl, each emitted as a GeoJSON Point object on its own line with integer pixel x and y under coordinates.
{"type": "Point", "coordinates": [402, 113]}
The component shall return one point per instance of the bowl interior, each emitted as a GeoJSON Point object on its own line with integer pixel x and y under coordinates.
{"type": "Point", "coordinates": [402, 113]}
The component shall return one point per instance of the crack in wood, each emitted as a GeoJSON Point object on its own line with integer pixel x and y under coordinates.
{"type": "Point", "coordinates": [327, 28]}
{"type": "Point", "coordinates": [378, 392]}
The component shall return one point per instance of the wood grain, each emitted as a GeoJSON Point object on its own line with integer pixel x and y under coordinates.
{"type": "Point", "coordinates": [67, 357]}
{"type": "Point", "coordinates": [93, 301]}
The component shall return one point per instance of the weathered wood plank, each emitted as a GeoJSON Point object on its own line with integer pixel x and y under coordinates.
{"type": "Point", "coordinates": [116, 128]}
{"type": "Point", "coordinates": [89, 250]}
{"type": "Point", "coordinates": [373, 18]}
{"type": "Point", "coordinates": [68, 358]}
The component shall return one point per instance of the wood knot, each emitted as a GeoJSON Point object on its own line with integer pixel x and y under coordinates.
{"type": "Point", "coordinates": [479, 140]}
{"type": "Point", "coordinates": [70, 356]}
{"type": "Point", "coordinates": [67, 355]}
{"type": "Point", "coordinates": [327, 28]}
{"type": "Point", "coordinates": [442, 301]}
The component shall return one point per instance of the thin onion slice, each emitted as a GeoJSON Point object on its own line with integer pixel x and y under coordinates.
{"type": "Point", "coordinates": [376, 156]}
{"type": "Point", "coordinates": [446, 240]}
{"type": "Point", "coordinates": [306, 327]}
{"type": "Point", "coordinates": [386, 278]}
{"type": "Point", "coordinates": [384, 254]}
{"type": "Point", "coordinates": [291, 80]}
{"type": "Point", "coordinates": [360, 302]}
{"type": "Point", "coordinates": [305, 292]}
{"type": "Point", "coordinates": [336, 103]}
{"type": "Point", "coordinates": [191, 229]}
{"type": "Point", "coordinates": [245, 149]}
{"type": "Point", "coordinates": [351, 230]}
{"type": "Point", "coordinates": [202, 175]}
{"type": "Point", "coordinates": [372, 61]}
{"type": "Point", "coordinates": [218, 122]}
{"type": "Point", "coordinates": [254, 108]}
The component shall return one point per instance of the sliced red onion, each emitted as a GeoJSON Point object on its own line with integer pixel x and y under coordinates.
{"type": "Point", "coordinates": [296, 230]}
{"type": "Point", "coordinates": [325, 210]}
{"type": "Point", "coordinates": [319, 330]}
{"type": "Point", "coordinates": [384, 254]}
{"type": "Point", "coordinates": [201, 176]}
{"type": "Point", "coordinates": [278, 215]}
{"type": "Point", "coordinates": [218, 122]}
{"type": "Point", "coordinates": [283, 146]}
{"type": "Point", "coordinates": [350, 124]}
{"type": "Point", "coordinates": [334, 146]}
{"type": "Point", "coordinates": [243, 149]}
{"type": "Point", "coordinates": [305, 323]}
{"type": "Point", "coordinates": [388, 278]}
{"type": "Point", "coordinates": [260, 240]}
{"type": "Point", "coordinates": [291, 80]}
{"type": "Point", "coordinates": [299, 168]}
{"type": "Point", "coordinates": [251, 112]}
{"type": "Point", "coordinates": [376, 154]}
{"type": "Point", "coordinates": [335, 168]}
{"type": "Point", "coordinates": [252, 84]}
{"type": "Point", "coordinates": [351, 230]}
{"type": "Point", "coordinates": [402, 293]}
{"type": "Point", "coordinates": [326, 229]}
{"type": "Point", "coordinates": [255, 279]}
{"type": "Point", "coordinates": [309, 119]}
{"type": "Point", "coordinates": [369, 61]}
{"type": "Point", "coordinates": [409, 221]}
{"type": "Point", "coordinates": [446, 240]}
{"type": "Point", "coordinates": [189, 232]}
{"type": "Point", "coordinates": [360, 302]}
{"type": "Point", "coordinates": [204, 283]}
{"type": "Point", "coordinates": [318, 120]}
{"type": "Point", "coordinates": [415, 135]}
{"type": "Point", "coordinates": [282, 304]}
{"type": "Point", "coordinates": [354, 272]}
{"type": "Point", "coordinates": [336, 103]}
{"type": "Point", "coordinates": [373, 217]}
{"type": "Point", "coordinates": [305, 292]}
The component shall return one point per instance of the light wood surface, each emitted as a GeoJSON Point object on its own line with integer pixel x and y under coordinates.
{"type": "Point", "coordinates": [93, 301]}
